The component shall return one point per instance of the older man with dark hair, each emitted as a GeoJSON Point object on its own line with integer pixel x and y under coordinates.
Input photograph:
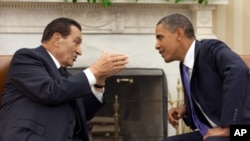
{"type": "Point", "coordinates": [41, 100]}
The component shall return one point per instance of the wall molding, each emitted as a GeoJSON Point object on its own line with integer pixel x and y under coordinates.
{"type": "Point", "coordinates": [124, 1]}
{"type": "Point", "coordinates": [30, 16]}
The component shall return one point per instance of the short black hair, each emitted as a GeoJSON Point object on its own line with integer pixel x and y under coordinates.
{"type": "Point", "coordinates": [61, 25]}
{"type": "Point", "coordinates": [174, 21]}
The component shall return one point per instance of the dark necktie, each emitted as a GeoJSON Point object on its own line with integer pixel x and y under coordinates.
{"type": "Point", "coordinates": [77, 129]}
{"type": "Point", "coordinates": [63, 72]}
{"type": "Point", "coordinates": [201, 126]}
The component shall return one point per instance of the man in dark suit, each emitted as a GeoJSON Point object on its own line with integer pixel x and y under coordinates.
{"type": "Point", "coordinates": [217, 80]}
{"type": "Point", "coordinates": [41, 104]}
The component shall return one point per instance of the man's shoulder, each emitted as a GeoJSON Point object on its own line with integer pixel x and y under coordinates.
{"type": "Point", "coordinates": [30, 53]}
{"type": "Point", "coordinates": [210, 41]}
{"type": "Point", "coordinates": [27, 51]}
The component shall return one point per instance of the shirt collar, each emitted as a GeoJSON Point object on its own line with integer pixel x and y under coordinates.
{"type": "Point", "coordinates": [189, 58]}
{"type": "Point", "coordinates": [54, 60]}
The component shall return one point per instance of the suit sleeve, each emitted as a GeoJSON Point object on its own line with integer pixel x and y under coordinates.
{"type": "Point", "coordinates": [235, 81]}
{"type": "Point", "coordinates": [41, 82]}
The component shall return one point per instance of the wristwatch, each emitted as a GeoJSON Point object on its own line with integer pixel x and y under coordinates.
{"type": "Point", "coordinates": [99, 86]}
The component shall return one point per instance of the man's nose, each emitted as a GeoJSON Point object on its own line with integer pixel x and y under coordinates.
{"type": "Point", "coordinates": [79, 50]}
{"type": "Point", "coordinates": [157, 45]}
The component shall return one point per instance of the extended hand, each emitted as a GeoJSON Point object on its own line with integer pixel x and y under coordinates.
{"type": "Point", "coordinates": [108, 65]}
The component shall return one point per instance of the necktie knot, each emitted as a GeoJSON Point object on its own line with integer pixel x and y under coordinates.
{"type": "Point", "coordinates": [63, 72]}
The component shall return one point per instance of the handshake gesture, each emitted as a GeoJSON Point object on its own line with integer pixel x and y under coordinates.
{"type": "Point", "coordinates": [108, 65]}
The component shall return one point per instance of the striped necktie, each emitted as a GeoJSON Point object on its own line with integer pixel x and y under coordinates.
{"type": "Point", "coordinates": [201, 126]}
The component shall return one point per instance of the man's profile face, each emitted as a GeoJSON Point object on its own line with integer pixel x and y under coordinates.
{"type": "Point", "coordinates": [166, 43]}
{"type": "Point", "coordinates": [69, 47]}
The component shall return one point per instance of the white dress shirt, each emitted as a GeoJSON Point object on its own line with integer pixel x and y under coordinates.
{"type": "Point", "coordinates": [90, 76]}
{"type": "Point", "coordinates": [189, 62]}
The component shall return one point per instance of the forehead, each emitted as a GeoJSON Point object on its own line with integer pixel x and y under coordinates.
{"type": "Point", "coordinates": [75, 32]}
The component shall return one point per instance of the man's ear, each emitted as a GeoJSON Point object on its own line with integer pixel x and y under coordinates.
{"type": "Point", "coordinates": [55, 38]}
{"type": "Point", "coordinates": [180, 33]}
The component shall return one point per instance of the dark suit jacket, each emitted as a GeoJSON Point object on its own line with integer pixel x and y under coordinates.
{"type": "Point", "coordinates": [220, 84]}
{"type": "Point", "coordinates": [38, 103]}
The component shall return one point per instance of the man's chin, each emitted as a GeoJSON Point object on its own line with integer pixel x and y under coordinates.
{"type": "Point", "coordinates": [167, 60]}
{"type": "Point", "coordinates": [71, 65]}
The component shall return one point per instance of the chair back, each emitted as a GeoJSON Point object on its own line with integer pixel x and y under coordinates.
{"type": "Point", "coordinates": [4, 66]}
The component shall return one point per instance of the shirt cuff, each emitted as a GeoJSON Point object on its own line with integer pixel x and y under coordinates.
{"type": "Point", "coordinates": [98, 95]}
{"type": "Point", "coordinates": [91, 78]}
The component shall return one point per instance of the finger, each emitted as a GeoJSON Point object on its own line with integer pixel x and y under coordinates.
{"type": "Point", "coordinates": [117, 54]}
{"type": "Point", "coordinates": [170, 118]}
{"type": "Point", "coordinates": [118, 57]}
{"type": "Point", "coordinates": [174, 124]}
{"type": "Point", "coordinates": [121, 62]}
{"type": "Point", "coordinates": [172, 121]}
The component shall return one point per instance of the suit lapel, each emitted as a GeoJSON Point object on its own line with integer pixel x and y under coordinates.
{"type": "Point", "coordinates": [48, 62]}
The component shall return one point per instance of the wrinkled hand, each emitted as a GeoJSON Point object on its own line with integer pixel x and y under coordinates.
{"type": "Point", "coordinates": [176, 113]}
{"type": "Point", "coordinates": [108, 65]}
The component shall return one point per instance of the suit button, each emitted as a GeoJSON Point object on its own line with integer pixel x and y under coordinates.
{"type": "Point", "coordinates": [70, 138]}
